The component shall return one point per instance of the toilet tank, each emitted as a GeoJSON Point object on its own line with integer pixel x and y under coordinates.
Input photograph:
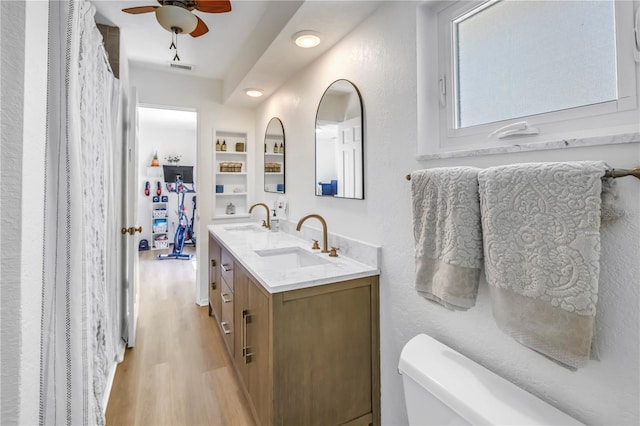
{"type": "Point", "coordinates": [443, 387]}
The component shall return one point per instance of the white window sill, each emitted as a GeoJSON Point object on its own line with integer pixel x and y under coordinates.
{"type": "Point", "coordinates": [559, 144]}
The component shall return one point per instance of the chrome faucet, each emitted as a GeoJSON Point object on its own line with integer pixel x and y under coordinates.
{"type": "Point", "coordinates": [324, 229]}
{"type": "Point", "coordinates": [268, 223]}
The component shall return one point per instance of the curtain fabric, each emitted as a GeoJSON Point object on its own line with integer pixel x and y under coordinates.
{"type": "Point", "coordinates": [79, 279]}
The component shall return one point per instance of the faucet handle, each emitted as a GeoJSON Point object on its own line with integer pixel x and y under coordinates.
{"type": "Point", "coordinates": [315, 245]}
{"type": "Point", "coordinates": [332, 252]}
{"type": "Point", "coordinates": [264, 223]}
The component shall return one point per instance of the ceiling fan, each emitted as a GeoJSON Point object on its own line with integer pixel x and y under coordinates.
{"type": "Point", "coordinates": [176, 16]}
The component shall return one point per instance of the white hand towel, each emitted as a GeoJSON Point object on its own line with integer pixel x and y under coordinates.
{"type": "Point", "coordinates": [541, 230]}
{"type": "Point", "coordinates": [447, 232]}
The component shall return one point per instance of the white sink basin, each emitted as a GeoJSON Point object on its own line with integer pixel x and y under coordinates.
{"type": "Point", "coordinates": [290, 258]}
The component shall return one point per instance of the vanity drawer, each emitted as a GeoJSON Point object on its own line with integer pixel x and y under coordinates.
{"type": "Point", "coordinates": [226, 320]}
{"type": "Point", "coordinates": [226, 268]}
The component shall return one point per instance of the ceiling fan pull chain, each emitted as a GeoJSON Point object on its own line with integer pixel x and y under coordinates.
{"type": "Point", "coordinates": [176, 58]}
{"type": "Point", "coordinates": [173, 44]}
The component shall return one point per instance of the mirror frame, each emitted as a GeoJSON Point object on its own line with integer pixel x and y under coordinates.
{"type": "Point", "coordinates": [357, 91]}
{"type": "Point", "coordinates": [266, 152]}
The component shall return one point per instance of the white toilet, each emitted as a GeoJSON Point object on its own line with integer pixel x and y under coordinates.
{"type": "Point", "coordinates": [443, 387]}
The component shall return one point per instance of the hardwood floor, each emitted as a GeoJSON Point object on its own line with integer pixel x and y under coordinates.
{"type": "Point", "coordinates": [179, 373]}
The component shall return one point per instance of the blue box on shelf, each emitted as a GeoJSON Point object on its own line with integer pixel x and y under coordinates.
{"type": "Point", "coordinates": [219, 189]}
{"type": "Point", "coordinates": [280, 187]}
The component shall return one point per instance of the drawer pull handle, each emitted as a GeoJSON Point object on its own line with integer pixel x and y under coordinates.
{"type": "Point", "coordinates": [213, 263]}
{"type": "Point", "coordinates": [225, 327]}
{"type": "Point", "coordinates": [224, 298]}
{"type": "Point", "coordinates": [213, 285]}
{"type": "Point", "coordinates": [226, 267]}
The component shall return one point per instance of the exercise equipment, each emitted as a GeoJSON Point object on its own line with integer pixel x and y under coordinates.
{"type": "Point", "coordinates": [147, 189]}
{"type": "Point", "coordinates": [158, 188]}
{"type": "Point", "coordinates": [180, 176]}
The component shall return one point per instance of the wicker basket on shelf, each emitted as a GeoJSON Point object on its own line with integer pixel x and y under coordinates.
{"type": "Point", "coordinates": [272, 167]}
{"type": "Point", "coordinates": [232, 167]}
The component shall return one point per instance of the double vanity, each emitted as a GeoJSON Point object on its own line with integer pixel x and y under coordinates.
{"type": "Point", "coordinates": [301, 327]}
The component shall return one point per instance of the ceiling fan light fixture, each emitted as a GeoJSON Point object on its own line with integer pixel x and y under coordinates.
{"type": "Point", "coordinates": [306, 39]}
{"type": "Point", "coordinates": [254, 93]}
{"type": "Point", "coordinates": [176, 19]}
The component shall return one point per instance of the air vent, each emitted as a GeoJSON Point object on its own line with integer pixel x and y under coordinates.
{"type": "Point", "coordinates": [183, 67]}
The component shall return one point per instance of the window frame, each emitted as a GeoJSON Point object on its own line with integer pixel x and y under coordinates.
{"type": "Point", "coordinates": [439, 134]}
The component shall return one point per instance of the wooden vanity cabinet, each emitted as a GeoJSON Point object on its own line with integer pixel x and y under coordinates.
{"type": "Point", "coordinates": [309, 356]}
{"type": "Point", "coordinates": [215, 281]}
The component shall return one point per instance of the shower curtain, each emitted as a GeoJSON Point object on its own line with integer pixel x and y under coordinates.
{"type": "Point", "coordinates": [79, 285]}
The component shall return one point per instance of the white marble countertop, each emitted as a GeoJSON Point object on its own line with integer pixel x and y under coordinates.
{"type": "Point", "coordinates": [249, 237]}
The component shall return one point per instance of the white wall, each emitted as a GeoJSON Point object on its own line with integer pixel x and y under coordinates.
{"type": "Point", "coordinates": [380, 58]}
{"type": "Point", "coordinates": [171, 89]}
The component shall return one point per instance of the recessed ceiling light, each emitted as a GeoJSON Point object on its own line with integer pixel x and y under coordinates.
{"type": "Point", "coordinates": [306, 39]}
{"type": "Point", "coordinates": [254, 93]}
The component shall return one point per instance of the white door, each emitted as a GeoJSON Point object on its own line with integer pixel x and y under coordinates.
{"type": "Point", "coordinates": [131, 209]}
{"type": "Point", "coordinates": [349, 159]}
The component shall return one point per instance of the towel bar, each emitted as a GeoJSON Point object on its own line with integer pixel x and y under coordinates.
{"type": "Point", "coordinates": [612, 173]}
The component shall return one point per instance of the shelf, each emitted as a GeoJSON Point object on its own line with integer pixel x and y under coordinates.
{"type": "Point", "coordinates": [159, 233]}
{"type": "Point", "coordinates": [232, 173]}
{"type": "Point", "coordinates": [274, 154]}
{"type": "Point", "coordinates": [273, 173]}
{"type": "Point", "coordinates": [231, 193]}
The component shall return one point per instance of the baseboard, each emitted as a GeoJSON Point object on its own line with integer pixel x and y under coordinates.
{"type": "Point", "coordinates": [203, 302]}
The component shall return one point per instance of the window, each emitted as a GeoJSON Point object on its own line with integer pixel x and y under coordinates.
{"type": "Point", "coordinates": [525, 71]}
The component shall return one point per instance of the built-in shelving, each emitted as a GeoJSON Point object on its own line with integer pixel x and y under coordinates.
{"type": "Point", "coordinates": [234, 185]}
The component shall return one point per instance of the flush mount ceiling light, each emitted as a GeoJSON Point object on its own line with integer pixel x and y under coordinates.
{"type": "Point", "coordinates": [306, 39]}
{"type": "Point", "coordinates": [254, 93]}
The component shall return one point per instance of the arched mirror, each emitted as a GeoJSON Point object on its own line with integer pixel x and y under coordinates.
{"type": "Point", "coordinates": [339, 142]}
{"type": "Point", "coordinates": [274, 157]}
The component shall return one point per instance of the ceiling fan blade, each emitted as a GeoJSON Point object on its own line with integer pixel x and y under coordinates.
{"type": "Point", "coordinates": [140, 9]}
{"type": "Point", "coordinates": [201, 28]}
{"type": "Point", "coordinates": [213, 6]}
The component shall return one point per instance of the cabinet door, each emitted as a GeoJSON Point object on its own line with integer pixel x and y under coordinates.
{"type": "Point", "coordinates": [324, 349]}
{"type": "Point", "coordinates": [252, 354]}
{"type": "Point", "coordinates": [258, 353]}
{"type": "Point", "coordinates": [215, 281]}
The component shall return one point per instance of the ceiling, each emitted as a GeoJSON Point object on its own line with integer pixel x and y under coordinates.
{"type": "Point", "coordinates": [251, 46]}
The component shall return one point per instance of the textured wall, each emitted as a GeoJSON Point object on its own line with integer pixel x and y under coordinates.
{"type": "Point", "coordinates": [380, 58]}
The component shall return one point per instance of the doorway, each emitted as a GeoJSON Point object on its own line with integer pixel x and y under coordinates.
{"type": "Point", "coordinates": [167, 136]}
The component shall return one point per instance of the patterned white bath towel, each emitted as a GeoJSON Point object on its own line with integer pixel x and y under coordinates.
{"type": "Point", "coordinates": [447, 233]}
{"type": "Point", "coordinates": [541, 231]}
